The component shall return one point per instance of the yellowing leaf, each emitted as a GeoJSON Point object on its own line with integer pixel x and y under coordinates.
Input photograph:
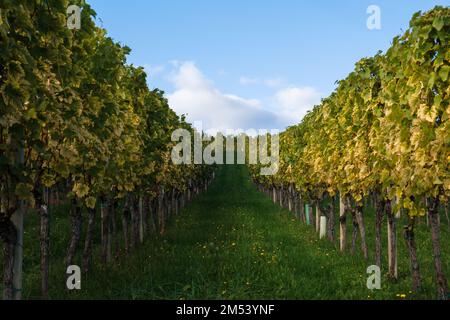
{"type": "Point", "coordinates": [80, 190]}
{"type": "Point", "coordinates": [90, 202]}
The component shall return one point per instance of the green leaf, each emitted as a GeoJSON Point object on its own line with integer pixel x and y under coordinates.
{"type": "Point", "coordinates": [32, 114]}
{"type": "Point", "coordinates": [62, 169]}
{"type": "Point", "coordinates": [23, 191]}
{"type": "Point", "coordinates": [432, 80]}
{"type": "Point", "coordinates": [437, 101]}
{"type": "Point", "coordinates": [438, 23]}
{"type": "Point", "coordinates": [443, 73]}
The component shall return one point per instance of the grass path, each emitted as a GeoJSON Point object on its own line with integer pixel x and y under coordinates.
{"type": "Point", "coordinates": [233, 243]}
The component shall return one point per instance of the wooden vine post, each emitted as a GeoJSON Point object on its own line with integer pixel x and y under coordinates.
{"type": "Point", "coordinates": [342, 224]}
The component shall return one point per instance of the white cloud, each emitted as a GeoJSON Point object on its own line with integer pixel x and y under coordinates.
{"type": "Point", "coordinates": [294, 102]}
{"type": "Point", "coordinates": [252, 102]}
{"type": "Point", "coordinates": [188, 77]}
{"type": "Point", "coordinates": [196, 96]}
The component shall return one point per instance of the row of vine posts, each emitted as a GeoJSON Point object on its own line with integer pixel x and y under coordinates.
{"type": "Point", "coordinates": [379, 143]}
{"type": "Point", "coordinates": [78, 123]}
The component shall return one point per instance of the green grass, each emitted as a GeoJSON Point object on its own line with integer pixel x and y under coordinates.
{"type": "Point", "coordinates": [231, 243]}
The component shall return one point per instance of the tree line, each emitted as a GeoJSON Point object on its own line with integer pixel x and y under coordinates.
{"type": "Point", "coordinates": [381, 139]}
{"type": "Point", "coordinates": [79, 123]}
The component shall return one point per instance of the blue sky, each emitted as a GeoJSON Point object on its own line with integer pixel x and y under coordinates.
{"type": "Point", "coordinates": [251, 63]}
